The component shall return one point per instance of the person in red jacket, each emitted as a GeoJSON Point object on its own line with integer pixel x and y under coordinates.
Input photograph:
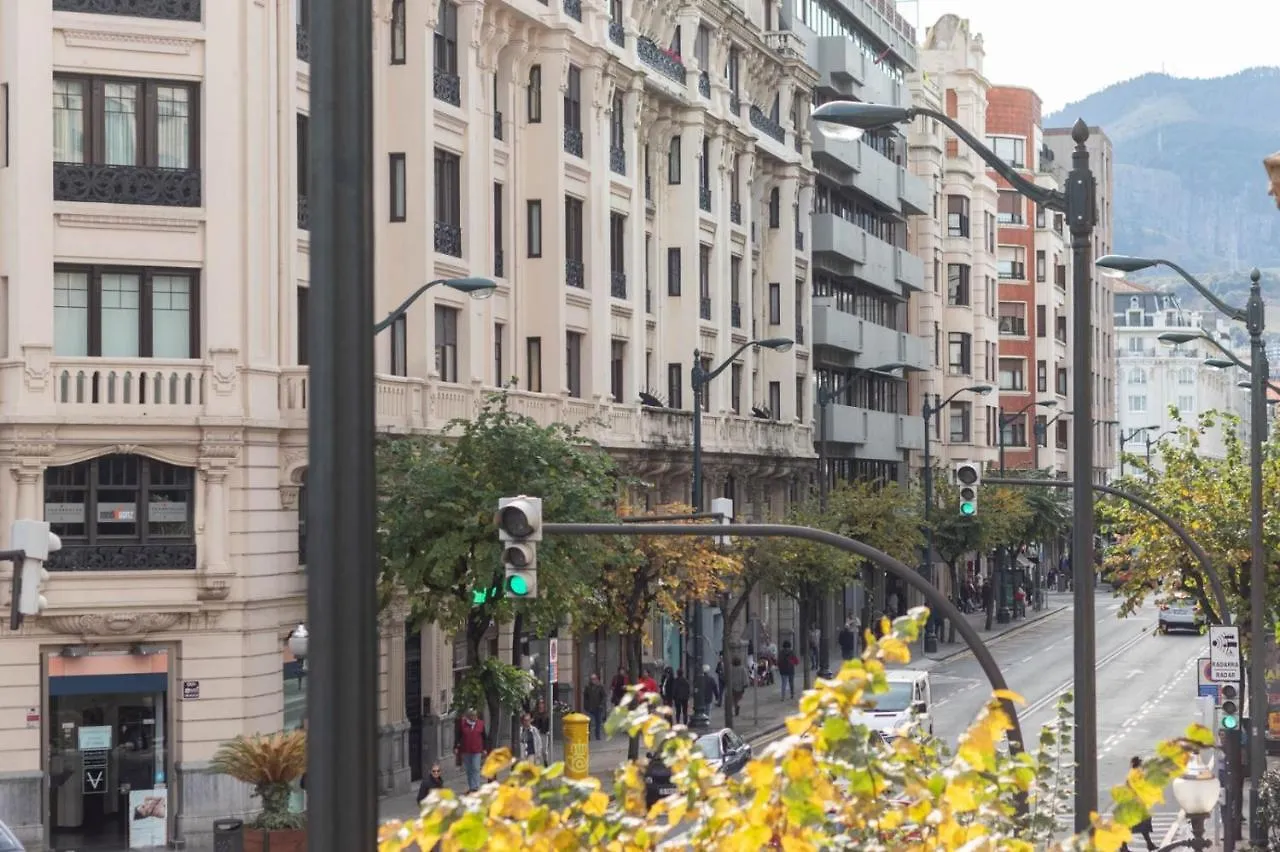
{"type": "Point", "coordinates": [648, 686]}
{"type": "Point", "coordinates": [470, 748]}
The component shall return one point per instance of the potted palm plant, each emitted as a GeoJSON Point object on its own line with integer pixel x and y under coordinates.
{"type": "Point", "coordinates": [270, 764]}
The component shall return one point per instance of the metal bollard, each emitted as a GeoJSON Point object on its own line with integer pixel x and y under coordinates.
{"type": "Point", "coordinates": [228, 835]}
{"type": "Point", "coordinates": [577, 751]}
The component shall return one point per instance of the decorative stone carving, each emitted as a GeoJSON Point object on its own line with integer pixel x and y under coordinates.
{"type": "Point", "coordinates": [36, 367]}
{"type": "Point", "coordinates": [224, 444]}
{"type": "Point", "coordinates": [289, 497]}
{"type": "Point", "coordinates": [225, 370]}
{"type": "Point", "coordinates": [113, 624]}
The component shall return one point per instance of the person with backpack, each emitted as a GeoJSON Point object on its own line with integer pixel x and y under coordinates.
{"type": "Point", "coordinates": [787, 662]}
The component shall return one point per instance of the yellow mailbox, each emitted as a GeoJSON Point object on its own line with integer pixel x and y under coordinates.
{"type": "Point", "coordinates": [577, 754]}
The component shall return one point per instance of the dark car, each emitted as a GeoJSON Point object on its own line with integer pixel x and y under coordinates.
{"type": "Point", "coordinates": [724, 749]}
{"type": "Point", "coordinates": [8, 841]}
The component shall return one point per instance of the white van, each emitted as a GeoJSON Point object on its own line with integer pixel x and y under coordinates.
{"type": "Point", "coordinates": [908, 703]}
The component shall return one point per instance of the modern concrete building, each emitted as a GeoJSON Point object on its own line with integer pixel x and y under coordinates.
{"type": "Point", "coordinates": [957, 311]}
{"type": "Point", "coordinates": [1154, 377]}
{"type": "Point", "coordinates": [1059, 144]}
{"type": "Point", "coordinates": [598, 161]}
{"type": "Point", "coordinates": [864, 269]}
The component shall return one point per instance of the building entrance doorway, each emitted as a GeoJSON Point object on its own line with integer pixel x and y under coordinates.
{"type": "Point", "coordinates": [108, 762]}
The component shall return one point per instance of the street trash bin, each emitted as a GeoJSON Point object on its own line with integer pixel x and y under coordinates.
{"type": "Point", "coordinates": [228, 835]}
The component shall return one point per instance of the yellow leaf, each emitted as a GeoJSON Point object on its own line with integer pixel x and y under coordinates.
{"type": "Point", "coordinates": [498, 760]}
{"type": "Point", "coordinates": [596, 804]}
{"type": "Point", "coordinates": [791, 843]}
{"type": "Point", "coordinates": [1109, 837]}
{"type": "Point", "coordinates": [761, 773]}
{"type": "Point", "coordinates": [1147, 793]}
{"type": "Point", "coordinates": [960, 797]}
{"type": "Point", "coordinates": [1009, 695]}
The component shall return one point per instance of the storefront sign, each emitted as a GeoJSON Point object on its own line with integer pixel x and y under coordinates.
{"type": "Point", "coordinates": [117, 513]}
{"type": "Point", "coordinates": [33, 717]}
{"type": "Point", "coordinates": [94, 737]}
{"type": "Point", "coordinates": [190, 690]}
{"type": "Point", "coordinates": [148, 825]}
{"type": "Point", "coordinates": [64, 513]}
{"type": "Point", "coordinates": [167, 512]}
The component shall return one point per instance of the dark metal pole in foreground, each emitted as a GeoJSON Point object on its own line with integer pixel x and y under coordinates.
{"type": "Point", "coordinates": [1082, 213]}
{"type": "Point", "coordinates": [1258, 709]}
{"type": "Point", "coordinates": [341, 586]}
{"type": "Point", "coordinates": [701, 717]}
{"type": "Point", "coordinates": [910, 576]}
{"type": "Point", "coordinates": [1206, 565]}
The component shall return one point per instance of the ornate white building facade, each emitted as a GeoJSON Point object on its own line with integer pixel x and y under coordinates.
{"type": "Point", "coordinates": [632, 176]}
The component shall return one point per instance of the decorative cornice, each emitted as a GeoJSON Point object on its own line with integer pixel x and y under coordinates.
{"type": "Point", "coordinates": [132, 41]}
{"type": "Point", "coordinates": [128, 223]}
{"type": "Point", "coordinates": [114, 624]}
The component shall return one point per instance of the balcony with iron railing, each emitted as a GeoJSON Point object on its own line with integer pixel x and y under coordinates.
{"type": "Point", "coordinates": [704, 199]}
{"type": "Point", "coordinates": [304, 213]}
{"type": "Point", "coordinates": [735, 212]}
{"type": "Point", "coordinates": [735, 314]}
{"type": "Point", "coordinates": [575, 273]}
{"type": "Point", "coordinates": [303, 43]}
{"type": "Point", "coordinates": [704, 84]}
{"type": "Point", "coordinates": [665, 62]}
{"type": "Point", "coordinates": [127, 184]}
{"type": "Point", "coordinates": [573, 8]}
{"type": "Point", "coordinates": [447, 87]}
{"type": "Point", "coordinates": [618, 159]}
{"type": "Point", "coordinates": [761, 121]}
{"type": "Point", "coordinates": [617, 33]}
{"type": "Point", "coordinates": [799, 333]}
{"type": "Point", "coordinates": [159, 10]}
{"type": "Point", "coordinates": [704, 307]}
{"type": "Point", "coordinates": [573, 141]}
{"type": "Point", "coordinates": [1012, 270]}
{"type": "Point", "coordinates": [618, 284]}
{"type": "Point", "coordinates": [497, 125]}
{"type": "Point", "coordinates": [448, 239]}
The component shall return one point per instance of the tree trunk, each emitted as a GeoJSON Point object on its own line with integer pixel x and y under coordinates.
{"type": "Point", "coordinates": [802, 641]}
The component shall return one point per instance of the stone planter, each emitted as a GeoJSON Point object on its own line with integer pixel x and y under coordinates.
{"type": "Point", "coordinates": [280, 840]}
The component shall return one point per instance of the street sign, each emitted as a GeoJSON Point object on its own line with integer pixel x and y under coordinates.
{"type": "Point", "coordinates": [1209, 690]}
{"type": "Point", "coordinates": [553, 656]}
{"type": "Point", "coordinates": [190, 690]}
{"type": "Point", "coordinates": [1224, 653]}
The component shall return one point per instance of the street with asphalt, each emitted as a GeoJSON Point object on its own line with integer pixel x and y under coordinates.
{"type": "Point", "coordinates": [1146, 689]}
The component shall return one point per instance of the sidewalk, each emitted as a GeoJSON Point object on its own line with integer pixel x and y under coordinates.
{"type": "Point", "coordinates": [762, 714]}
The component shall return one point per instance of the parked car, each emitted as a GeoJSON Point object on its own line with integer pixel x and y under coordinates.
{"type": "Point", "coordinates": [724, 749]}
{"type": "Point", "coordinates": [9, 841]}
{"type": "Point", "coordinates": [1181, 612]}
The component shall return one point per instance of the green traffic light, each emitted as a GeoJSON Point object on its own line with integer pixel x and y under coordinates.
{"type": "Point", "coordinates": [1230, 722]}
{"type": "Point", "coordinates": [969, 509]}
{"type": "Point", "coordinates": [518, 586]}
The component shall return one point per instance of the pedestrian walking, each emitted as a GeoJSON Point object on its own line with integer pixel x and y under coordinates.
{"type": "Point", "coordinates": [680, 690]}
{"type": "Point", "coordinates": [737, 683]}
{"type": "Point", "coordinates": [815, 643]}
{"type": "Point", "coordinates": [533, 747]}
{"type": "Point", "coordinates": [710, 686]}
{"type": "Point", "coordinates": [433, 781]}
{"type": "Point", "coordinates": [470, 747]}
{"type": "Point", "coordinates": [848, 640]}
{"type": "Point", "coordinates": [664, 686]}
{"type": "Point", "coordinates": [1144, 827]}
{"type": "Point", "coordinates": [593, 701]}
{"type": "Point", "coordinates": [787, 663]}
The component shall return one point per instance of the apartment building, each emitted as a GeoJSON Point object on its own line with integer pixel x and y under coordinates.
{"type": "Point", "coordinates": [1154, 377]}
{"type": "Point", "coordinates": [1059, 144]}
{"type": "Point", "coordinates": [864, 272]}
{"type": "Point", "coordinates": [958, 308]}
{"type": "Point", "coordinates": [596, 161]}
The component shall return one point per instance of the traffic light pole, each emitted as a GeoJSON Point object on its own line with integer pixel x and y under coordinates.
{"type": "Point", "coordinates": [17, 557]}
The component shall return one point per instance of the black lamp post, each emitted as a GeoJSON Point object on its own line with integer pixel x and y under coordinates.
{"type": "Point", "coordinates": [826, 396]}
{"type": "Point", "coordinates": [1253, 315]}
{"type": "Point", "coordinates": [1043, 432]}
{"type": "Point", "coordinates": [928, 412]}
{"type": "Point", "coordinates": [476, 288]}
{"type": "Point", "coordinates": [1004, 591]}
{"type": "Point", "coordinates": [699, 378]}
{"type": "Point", "coordinates": [1125, 438]}
{"type": "Point", "coordinates": [1078, 201]}
{"type": "Point", "coordinates": [1151, 442]}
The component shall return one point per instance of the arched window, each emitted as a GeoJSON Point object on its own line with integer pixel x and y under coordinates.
{"type": "Point", "coordinates": [1137, 376]}
{"type": "Point", "coordinates": [121, 513]}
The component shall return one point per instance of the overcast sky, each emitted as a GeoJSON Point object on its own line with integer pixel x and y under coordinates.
{"type": "Point", "coordinates": [1068, 50]}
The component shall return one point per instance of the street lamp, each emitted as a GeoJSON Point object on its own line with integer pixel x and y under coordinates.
{"type": "Point", "coordinates": [1253, 315]}
{"type": "Point", "coordinates": [1004, 592]}
{"type": "Point", "coordinates": [927, 412]}
{"type": "Point", "coordinates": [826, 396]}
{"type": "Point", "coordinates": [1196, 792]}
{"type": "Point", "coordinates": [1078, 201]}
{"type": "Point", "coordinates": [1044, 431]}
{"type": "Point", "coordinates": [476, 288]}
{"type": "Point", "coordinates": [699, 378]}
{"type": "Point", "coordinates": [1125, 439]}
{"type": "Point", "coordinates": [298, 643]}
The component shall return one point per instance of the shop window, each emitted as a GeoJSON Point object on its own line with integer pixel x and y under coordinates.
{"type": "Point", "coordinates": [121, 513]}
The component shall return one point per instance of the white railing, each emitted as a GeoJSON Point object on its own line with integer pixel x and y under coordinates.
{"type": "Point", "coordinates": [163, 387]}
{"type": "Point", "coordinates": [415, 405]}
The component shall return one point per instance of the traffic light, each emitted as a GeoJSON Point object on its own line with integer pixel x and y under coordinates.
{"type": "Point", "coordinates": [519, 530]}
{"type": "Point", "coordinates": [36, 542]}
{"type": "Point", "coordinates": [723, 506]}
{"type": "Point", "coordinates": [968, 478]}
{"type": "Point", "coordinates": [1229, 706]}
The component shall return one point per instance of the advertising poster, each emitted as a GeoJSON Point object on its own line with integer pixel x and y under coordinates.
{"type": "Point", "coordinates": [148, 819]}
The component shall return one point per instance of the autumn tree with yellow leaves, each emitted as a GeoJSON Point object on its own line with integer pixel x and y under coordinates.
{"type": "Point", "coordinates": [828, 785]}
{"type": "Point", "coordinates": [661, 575]}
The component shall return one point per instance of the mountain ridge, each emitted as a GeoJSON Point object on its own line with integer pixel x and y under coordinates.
{"type": "Point", "coordinates": [1188, 178]}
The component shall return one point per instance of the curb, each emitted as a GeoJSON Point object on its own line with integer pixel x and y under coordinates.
{"type": "Point", "coordinates": [1027, 622]}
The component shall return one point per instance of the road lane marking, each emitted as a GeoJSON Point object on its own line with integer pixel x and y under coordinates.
{"type": "Point", "coordinates": [1037, 706]}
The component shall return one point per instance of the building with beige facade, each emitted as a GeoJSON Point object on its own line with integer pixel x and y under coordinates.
{"type": "Point", "coordinates": [632, 175]}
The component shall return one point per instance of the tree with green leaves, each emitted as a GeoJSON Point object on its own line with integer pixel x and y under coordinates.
{"type": "Point", "coordinates": [438, 537]}
{"type": "Point", "coordinates": [1002, 516]}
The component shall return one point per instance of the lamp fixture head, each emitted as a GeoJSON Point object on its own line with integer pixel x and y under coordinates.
{"type": "Point", "coordinates": [476, 288]}
{"type": "Point", "coordinates": [1116, 265]}
{"type": "Point", "coordinates": [777, 344]}
{"type": "Point", "coordinates": [1220, 363]}
{"type": "Point", "coordinates": [847, 120]}
{"type": "Point", "coordinates": [1176, 338]}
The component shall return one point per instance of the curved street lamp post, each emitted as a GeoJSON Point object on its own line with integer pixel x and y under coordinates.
{"type": "Point", "coordinates": [699, 378]}
{"type": "Point", "coordinates": [476, 288]}
{"type": "Point", "coordinates": [928, 412]}
{"type": "Point", "coordinates": [1253, 315]}
{"type": "Point", "coordinates": [1078, 202]}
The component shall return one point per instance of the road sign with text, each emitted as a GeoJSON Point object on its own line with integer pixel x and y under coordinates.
{"type": "Point", "coordinates": [1224, 653]}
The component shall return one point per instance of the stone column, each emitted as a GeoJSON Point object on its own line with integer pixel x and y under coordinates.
{"type": "Point", "coordinates": [28, 478]}
{"type": "Point", "coordinates": [393, 731]}
{"type": "Point", "coordinates": [214, 579]}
